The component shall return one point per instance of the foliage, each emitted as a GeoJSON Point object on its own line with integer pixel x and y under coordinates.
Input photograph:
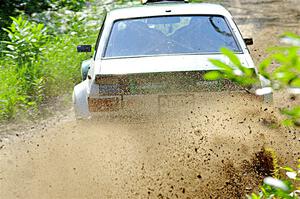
{"type": "Point", "coordinates": [74, 5]}
{"type": "Point", "coordinates": [27, 41]}
{"type": "Point", "coordinates": [235, 71]}
{"type": "Point", "coordinates": [281, 189]}
{"type": "Point", "coordinates": [293, 115]}
{"type": "Point", "coordinates": [38, 59]}
{"type": "Point", "coordinates": [10, 96]}
{"type": "Point", "coordinates": [13, 8]}
{"type": "Point", "coordinates": [286, 75]}
{"type": "Point", "coordinates": [65, 21]}
{"type": "Point", "coordinates": [63, 68]}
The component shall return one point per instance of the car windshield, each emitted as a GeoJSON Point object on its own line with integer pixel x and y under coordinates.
{"type": "Point", "coordinates": [167, 35]}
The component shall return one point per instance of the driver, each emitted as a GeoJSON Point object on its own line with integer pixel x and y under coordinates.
{"type": "Point", "coordinates": [196, 35]}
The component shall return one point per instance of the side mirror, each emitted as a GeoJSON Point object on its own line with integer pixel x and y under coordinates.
{"type": "Point", "coordinates": [84, 48]}
{"type": "Point", "coordinates": [85, 66]}
{"type": "Point", "coordinates": [248, 41]}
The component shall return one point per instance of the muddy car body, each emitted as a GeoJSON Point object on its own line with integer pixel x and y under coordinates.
{"type": "Point", "coordinates": [150, 52]}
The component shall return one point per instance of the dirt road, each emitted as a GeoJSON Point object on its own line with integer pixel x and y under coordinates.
{"type": "Point", "coordinates": [206, 152]}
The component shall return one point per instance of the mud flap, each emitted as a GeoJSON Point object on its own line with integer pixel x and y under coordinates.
{"type": "Point", "coordinates": [80, 102]}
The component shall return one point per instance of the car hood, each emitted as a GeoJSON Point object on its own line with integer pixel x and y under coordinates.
{"type": "Point", "coordinates": [119, 66]}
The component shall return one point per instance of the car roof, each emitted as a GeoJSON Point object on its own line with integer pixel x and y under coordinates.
{"type": "Point", "coordinates": [161, 9]}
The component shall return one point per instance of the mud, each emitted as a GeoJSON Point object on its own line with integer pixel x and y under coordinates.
{"type": "Point", "coordinates": [207, 151]}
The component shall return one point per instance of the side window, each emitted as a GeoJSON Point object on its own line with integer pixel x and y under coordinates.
{"type": "Point", "coordinates": [98, 38]}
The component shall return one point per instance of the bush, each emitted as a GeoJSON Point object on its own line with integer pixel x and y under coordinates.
{"type": "Point", "coordinates": [39, 60]}
{"type": "Point", "coordinates": [62, 65]}
{"type": "Point", "coordinates": [14, 8]}
{"type": "Point", "coordinates": [74, 5]}
{"type": "Point", "coordinates": [21, 75]}
{"type": "Point", "coordinates": [10, 96]}
{"type": "Point", "coordinates": [26, 41]}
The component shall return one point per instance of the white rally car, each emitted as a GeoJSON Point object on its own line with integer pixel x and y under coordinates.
{"type": "Point", "coordinates": [149, 52]}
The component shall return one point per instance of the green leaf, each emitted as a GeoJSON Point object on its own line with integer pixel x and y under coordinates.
{"type": "Point", "coordinates": [291, 35]}
{"type": "Point", "coordinates": [220, 64]}
{"type": "Point", "coordinates": [294, 112]}
{"type": "Point", "coordinates": [254, 196]}
{"type": "Point", "coordinates": [288, 122]}
{"type": "Point", "coordinates": [212, 75]}
{"type": "Point", "coordinates": [11, 47]}
{"type": "Point", "coordinates": [233, 58]}
{"type": "Point", "coordinates": [263, 67]}
{"type": "Point", "coordinates": [295, 82]}
{"type": "Point", "coordinates": [288, 169]}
